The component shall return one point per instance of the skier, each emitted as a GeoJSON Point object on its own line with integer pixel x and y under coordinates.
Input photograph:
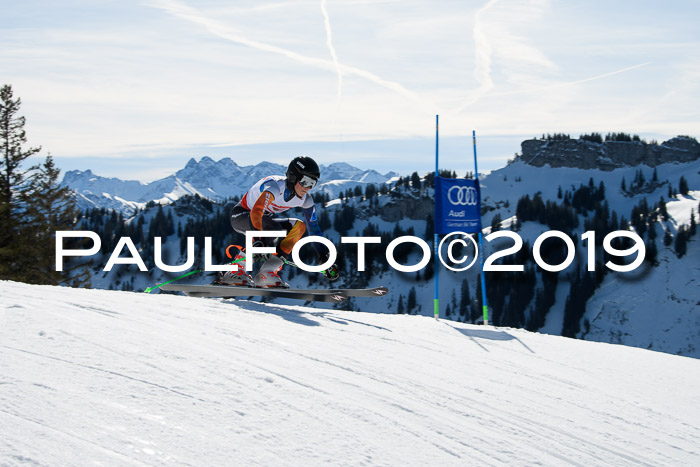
{"type": "Point", "coordinates": [269, 196]}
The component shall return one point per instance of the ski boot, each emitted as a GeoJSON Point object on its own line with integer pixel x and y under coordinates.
{"type": "Point", "coordinates": [237, 277]}
{"type": "Point", "coordinates": [260, 257]}
{"type": "Point", "coordinates": [268, 276]}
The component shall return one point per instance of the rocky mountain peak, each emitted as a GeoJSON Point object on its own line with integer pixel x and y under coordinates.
{"type": "Point", "coordinates": [608, 155]}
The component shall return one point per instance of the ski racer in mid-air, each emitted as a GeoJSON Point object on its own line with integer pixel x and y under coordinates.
{"type": "Point", "coordinates": [256, 212]}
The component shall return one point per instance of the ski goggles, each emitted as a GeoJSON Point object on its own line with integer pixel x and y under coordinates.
{"type": "Point", "coordinates": [307, 182]}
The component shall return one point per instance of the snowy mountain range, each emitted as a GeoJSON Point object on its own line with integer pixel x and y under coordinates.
{"type": "Point", "coordinates": [215, 180]}
{"type": "Point", "coordinates": [654, 308]}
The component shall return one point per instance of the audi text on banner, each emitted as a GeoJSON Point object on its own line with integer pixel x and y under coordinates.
{"type": "Point", "coordinates": [458, 205]}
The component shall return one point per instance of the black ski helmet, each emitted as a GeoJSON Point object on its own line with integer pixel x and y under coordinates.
{"type": "Point", "coordinates": [299, 167]}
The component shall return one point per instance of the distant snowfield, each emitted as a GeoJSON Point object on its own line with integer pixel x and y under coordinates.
{"type": "Point", "coordinates": [115, 378]}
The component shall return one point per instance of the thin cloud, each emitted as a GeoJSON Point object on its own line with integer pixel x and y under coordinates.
{"type": "Point", "coordinates": [570, 83]}
{"type": "Point", "coordinates": [496, 39]}
{"type": "Point", "coordinates": [494, 36]}
{"type": "Point", "coordinates": [483, 52]}
{"type": "Point", "coordinates": [182, 11]}
{"type": "Point", "coordinates": [331, 49]}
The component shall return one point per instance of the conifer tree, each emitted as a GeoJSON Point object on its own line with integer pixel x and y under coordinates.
{"type": "Point", "coordinates": [324, 220]}
{"type": "Point", "coordinates": [411, 301]}
{"type": "Point", "coordinates": [668, 238]}
{"type": "Point", "coordinates": [681, 244]}
{"type": "Point", "coordinates": [683, 186]}
{"type": "Point", "coordinates": [415, 180]}
{"type": "Point", "coordinates": [12, 182]}
{"type": "Point", "coordinates": [496, 222]}
{"type": "Point", "coordinates": [465, 299]}
{"type": "Point", "coordinates": [662, 209]}
{"type": "Point", "coordinates": [652, 253]}
{"type": "Point", "coordinates": [49, 207]}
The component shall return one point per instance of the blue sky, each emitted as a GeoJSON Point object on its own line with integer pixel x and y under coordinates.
{"type": "Point", "coordinates": [133, 89]}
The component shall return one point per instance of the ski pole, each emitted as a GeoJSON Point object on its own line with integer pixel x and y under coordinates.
{"type": "Point", "coordinates": [284, 260]}
{"type": "Point", "coordinates": [151, 289]}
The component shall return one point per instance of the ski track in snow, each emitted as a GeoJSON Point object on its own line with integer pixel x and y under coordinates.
{"type": "Point", "coordinates": [117, 378]}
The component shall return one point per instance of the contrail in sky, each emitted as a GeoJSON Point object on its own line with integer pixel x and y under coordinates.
{"type": "Point", "coordinates": [483, 51]}
{"type": "Point", "coordinates": [183, 11]}
{"type": "Point", "coordinates": [571, 83]}
{"type": "Point", "coordinates": [482, 71]}
{"type": "Point", "coordinates": [329, 43]}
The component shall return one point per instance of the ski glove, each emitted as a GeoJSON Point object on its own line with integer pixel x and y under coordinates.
{"type": "Point", "coordinates": [332, 272]}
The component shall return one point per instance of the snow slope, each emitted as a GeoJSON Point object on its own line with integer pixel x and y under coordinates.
{"type": "Point", "coordinates": [118, 378]}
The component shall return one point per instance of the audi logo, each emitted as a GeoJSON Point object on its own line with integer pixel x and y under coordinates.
{"type": "Point", "coordinates": [462, 195]}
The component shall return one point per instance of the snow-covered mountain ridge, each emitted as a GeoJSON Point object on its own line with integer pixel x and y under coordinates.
{"type": "Point", "coordinates": [654, 308]}
{"type": "Point", "coordinates": [118, 378]}
{"type": "Point", "coordinates": [215, 180]}
{"type": "Point", "coordinates": [608, 155]}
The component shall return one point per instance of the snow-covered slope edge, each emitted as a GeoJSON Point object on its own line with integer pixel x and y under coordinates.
{"type": "Point", "coordinates": [94, 376]}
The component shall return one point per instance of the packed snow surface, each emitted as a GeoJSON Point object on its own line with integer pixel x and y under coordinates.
{"type": "Point", "coordinates": [117, 378]}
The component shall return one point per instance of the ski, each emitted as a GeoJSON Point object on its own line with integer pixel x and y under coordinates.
{"type": "Point", "coordinates": [371, 292]}
{"type": "Point", "coordinates": [366, 293]}
{"type": "Point", "coordinates": [228, 291]}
